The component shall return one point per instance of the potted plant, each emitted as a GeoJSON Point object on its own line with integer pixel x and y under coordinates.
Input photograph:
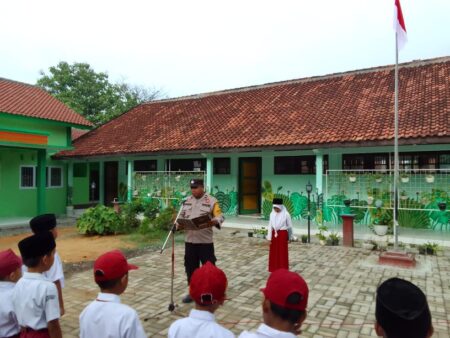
{"type": "Point", "coordinates": [304, 239]}
{"type": "Point", "coordinates": [378, 178]}
{"type": "Point", "coordinates": [250, 234]}
{"type": "Point", "coordinates": [382, 221]}
{"type": "Point", "coordinates": [333, 239]}
{"type": "Point", "coordinates": [404, 177]}
{"type": "Point", "coordinates": [69, 207]}
{"type": "Point", "coordinates": [351, 177]}
{"type": "Point", "coordinates": [442, 206]}
{"type": "Point", "coordinates": [403, 195]}
{"type": "Point", "coordinates": [321, 235]}
{"type": "Point", "coordinates": [347, 202]}
{"type": "Point", "coordinates": [429, 178]}
{"type": "Point", "coordinates": [428, 248]}
{"type": "Point", "coordinates": [369, 245]}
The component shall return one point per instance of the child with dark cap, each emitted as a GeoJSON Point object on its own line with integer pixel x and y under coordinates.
{"type": "Point", "coordinates": [402, 311]}
{"type": "Point", "coordinates": [35, 298]}
{"type": "Point", "coordinates": [10, 273]}
{"type": "Point", "coordinates": [207, 288]}
{"type": "Point", "coordinates": [106, 316]}
{"type": "Point", "coordinates": [44, 223]}
{"type": "Point", "coordinates": [284, 306]}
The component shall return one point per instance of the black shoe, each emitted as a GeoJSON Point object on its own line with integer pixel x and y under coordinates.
{"type": "Point", "coordinates": [187, 299]}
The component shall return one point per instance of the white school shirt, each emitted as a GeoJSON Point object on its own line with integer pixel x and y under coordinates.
{"type": "Point", "coordinates": [35, 300]}
{"type": "Point", "coordinates": [8, 320]}
{"type": "Point", "coordinates": [265, 331]}
{"type": "Point", "coordinates": [201, 324]}
{"type": "Point", "coordinates": [106, 317]}
{"type": "Point", "coordinates": [55, 273]}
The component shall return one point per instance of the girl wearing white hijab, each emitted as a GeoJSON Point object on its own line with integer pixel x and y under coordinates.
{"type": "Point", "coordinates": [280, 226]}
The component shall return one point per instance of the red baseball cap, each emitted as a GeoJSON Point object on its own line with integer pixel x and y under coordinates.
{"type": "Point", "coordinates": [208, 285]}
{"type": "Point", "coordinates": [111, 265]}
{"type": "Point", "coordinates": [281, 284]}
{"type": "Point", "coordinates": [9, 262]}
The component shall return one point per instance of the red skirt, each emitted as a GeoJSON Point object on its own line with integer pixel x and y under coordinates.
{"type": "Point", "coordinates": [278, 253]}
{"type": "Point", "coordinates": [30, 333]}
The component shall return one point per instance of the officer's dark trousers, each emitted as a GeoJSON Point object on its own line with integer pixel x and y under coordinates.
{"type": "Point", "coordinates": [194, 254]}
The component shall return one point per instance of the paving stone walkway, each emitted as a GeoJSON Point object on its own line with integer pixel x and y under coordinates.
{"type": "Point", "coordinates": [342, 285]}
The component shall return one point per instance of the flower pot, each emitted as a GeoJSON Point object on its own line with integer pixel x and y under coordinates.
{"type": "Point", "coordinates": [304, 240]}
{"type": "Point", "coordinates": [347, 203]}
{"type": "Point", "coordinates": [368, 246]}
{"type": "Point", "coordinates": [369, 200]}
{"type": "Point", "coordinates": [442, 206]}
{"type": "Point", "coordinates": [403, 197]}
{"type": "Point", "coordinates": [250, 234]}
{"type": "Point", "coordinates": [379, 180]}
{"type": "Point", "coordinates": [404, 179]}
{"type": "Point", "coordinates": [323, 241]}
{"type": "Point", "coordinates": [429, 179]}
{"type": "Point", "coordinates": [380, 230]}
{"type": "Point", "coordinates": [352, 179]}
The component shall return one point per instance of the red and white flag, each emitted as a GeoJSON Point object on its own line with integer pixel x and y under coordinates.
{"type": "Point", "coordinates": [399, 25]}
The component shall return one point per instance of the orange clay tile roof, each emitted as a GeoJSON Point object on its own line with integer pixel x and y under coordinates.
{"type": "Point", "coordinates": [27, 100]}
{"type": "Point", "coordinates": [76, 133]}
{"type": "Point", "coordinates": [328, 111]}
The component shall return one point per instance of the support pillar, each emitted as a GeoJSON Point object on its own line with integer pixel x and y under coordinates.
{"type": "Point", "coordinates": [41, 181]}
{"type": "Point", "coordinates": [130, 180]}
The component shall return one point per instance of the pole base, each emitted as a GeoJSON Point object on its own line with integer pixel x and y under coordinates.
{"type": "Point", "coordinates": [395, 258]}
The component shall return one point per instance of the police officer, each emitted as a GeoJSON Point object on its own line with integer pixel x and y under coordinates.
{"type": "Point", "coordinates": [199, 246]}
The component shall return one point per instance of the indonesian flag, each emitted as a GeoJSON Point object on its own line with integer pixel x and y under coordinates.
{"type": "Point", "coordinates": [399, 25]}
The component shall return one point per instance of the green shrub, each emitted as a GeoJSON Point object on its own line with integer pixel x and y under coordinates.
{"type": "Point", "coordinates": [129, 220]}
{"type": "Point", "coordinates": [165, 219]}
{"type": "Point", "coordinates": [151, 209]}
{"type": "Point", "coordinates": [99, 220]}
{"type": "Point", "coordinates": [146, 226]}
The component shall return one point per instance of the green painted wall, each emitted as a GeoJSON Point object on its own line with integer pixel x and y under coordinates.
{"type": "Point", "coordinates": [19, 202]}
{"type": "Point", "coordinates": [292, 188]}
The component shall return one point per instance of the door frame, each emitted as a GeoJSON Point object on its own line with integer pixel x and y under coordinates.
{"type": "Point", "coordinates": [110, 190]}
{"type": "Point", "coordinates": [258, 161]}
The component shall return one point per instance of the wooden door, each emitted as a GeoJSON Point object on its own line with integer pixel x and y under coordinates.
{"type": "Point", "coordinates": [111, 182]}
{"type": "Point", "coordinates": [250, 185]}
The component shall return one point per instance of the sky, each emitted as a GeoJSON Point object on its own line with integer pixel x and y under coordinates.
{"type": "Point", "coordinates": [189, 47]}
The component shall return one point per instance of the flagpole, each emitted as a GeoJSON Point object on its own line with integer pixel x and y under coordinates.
{"type": "Point", "coordinates": [396, 159]}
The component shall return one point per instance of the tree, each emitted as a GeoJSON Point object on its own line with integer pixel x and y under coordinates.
{"type": "Point", "coordinates": [91, 94]}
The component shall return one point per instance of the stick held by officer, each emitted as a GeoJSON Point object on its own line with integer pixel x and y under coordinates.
{"type": "Point", "coordinates": [199, 245]}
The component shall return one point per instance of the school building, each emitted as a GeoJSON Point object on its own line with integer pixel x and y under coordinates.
{"type": "Point", "coordinates": [33, 127]}
{"type": "Point", "coordinates": [254, 143]}
{"type": "Point", "coordinates": [250, 145]}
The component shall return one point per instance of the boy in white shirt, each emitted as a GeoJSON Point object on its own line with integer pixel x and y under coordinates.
{"type": "Point", "coordinates": [35, 298]}
{"type": "Point", "coordinates": [106, 316]}
{"type": "Point", "coordinates": [47, 222]}
{"type": "Point", "coordinates": [207, 288]}
{"type": "Point", "coordinates": [10, 273]}
{"type": "Point", "coordinates": [284, 306]}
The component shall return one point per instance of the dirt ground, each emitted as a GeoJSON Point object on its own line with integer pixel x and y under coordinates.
{"type": "Point", "coordinates": [73, 247]}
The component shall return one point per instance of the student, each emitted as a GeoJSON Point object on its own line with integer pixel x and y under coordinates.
{"type": "Point", "coordinates": [35, 298]}
{"type": "Point", "coordinates": [47, 222]}
{"type": "Point", "coordinates": [284, 306]}
{"type": "Point", "coordinates": [106, 316]}
{"type": "Point", "coordinates": [280, 227]}
{"type": "Point", "coordinates": [10, 273]}
{"type": "Point", "coordinates": [207, 288]}
{"type": "Point", "coordinates": [401, 311]}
